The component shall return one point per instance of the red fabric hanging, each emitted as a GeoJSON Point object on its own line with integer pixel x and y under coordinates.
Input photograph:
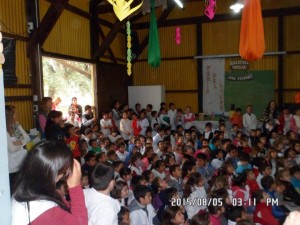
{"type": "Point", "coordinates": [252, 40]}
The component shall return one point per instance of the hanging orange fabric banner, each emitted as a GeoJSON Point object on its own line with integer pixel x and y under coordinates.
{"type": "Point", "coordinates": [252, 39]}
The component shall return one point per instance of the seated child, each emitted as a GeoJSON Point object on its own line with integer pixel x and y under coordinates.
{"type": "Point", "coordinates": [141, 209]}
{"type": "Point", "coordinates": [102, 209]}
{"type": "Point", "coordinates": [175, 179]}
{"type": "Point", "coordinates": [159, 169]}
{"type": "Point", "coordinates": [158, 186]}
{"type": "Point", "coordinates": [118, 165]}
{"type": "Point", "coordinates": [113, 136]}
{"type": "Point", "coordinates": [94, 147]}
{"type": "Point", "coordinates": [290, 193]}
{"type": "Point", "coordinates": [62, 189]}
{"type": "Point", "coordinates": [101, 157]}
{"type": "Point", "coordinates": [232, 154]}
{"type": "Point", "coordinates": [251, 181]}
{"type": "Point", "coordinates": [89, 165]}
{"type": "Point", "coordinates": [263, 212]}
{"type": "Point", "coordinates": [264, 170]}
{"type": "Point", "coordinates": [188, 167]}
{"type": "Point", "coordinates": [124, 216]}
{"type": "Point", "coordinates": [240, 190]}
{"type": "Point", "coordinates": [173, 215]}
{"type": "Point", "coordinates": [295, 173]}
{"type": "Point", "coordinates": [120, 193]}
{"type": "Point", "coordinates": [85, 180]}
{"type": "Point", "coordinates": [243, 164]}
{"type": "Point", "coordinates": [121, 153]}
{"type": "Point", "coordinates": [194, 189]}
{"type": "Point", "coordinates": [218, 159]}
{"type": "Point", "coordinates": [111, 156]}
{"type": "Point", "coordinates": [269, 187]}
{"type": "Point", "coordinates": [204, 168]}
{"type": "Point", "coordinates": [235, 214]}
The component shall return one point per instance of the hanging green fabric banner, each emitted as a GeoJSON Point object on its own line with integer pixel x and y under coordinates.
{"type": "Point", "coordinates": [154, 57]}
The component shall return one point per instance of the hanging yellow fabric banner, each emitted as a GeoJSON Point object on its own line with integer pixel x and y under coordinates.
{"type": "Point", "coordinates": [252, 39]}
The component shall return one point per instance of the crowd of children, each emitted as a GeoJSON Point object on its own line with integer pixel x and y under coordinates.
{"type": "Point", "coordinates": [143, 167]}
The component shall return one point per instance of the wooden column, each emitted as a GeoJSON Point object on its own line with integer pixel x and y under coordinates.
{"type": "Point", "coordinates": [199, 66]}
{"type": "Point", "coordinates": [280, 61]}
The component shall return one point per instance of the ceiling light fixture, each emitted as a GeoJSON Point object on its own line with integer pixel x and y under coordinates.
{"type": "Point", "coordinates": [179, 3]}
{"type": "Point", "coordinates": [237, 6]}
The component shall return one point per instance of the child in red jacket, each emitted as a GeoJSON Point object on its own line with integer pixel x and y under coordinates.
{"type": "Point", "coordinates": [251, 181]}
{"type": "Point", "coordinates": [263, 211]}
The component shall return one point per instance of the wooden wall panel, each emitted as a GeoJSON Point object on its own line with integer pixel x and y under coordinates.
{"type": "Point", "coordinates": [183, 99]}
{"type": "Point", "coordinates": [24, 113]}
{"type": "Point", "coordinates": [292, 71]}
{"type": "Point", "coordinates": [13, 20]}
{"type": "Point", "coordinates": [291, 33]}
{"type": "Point", "coordinates": [70, 35]}
{"type": "Point", "coordinates": [174, 75]}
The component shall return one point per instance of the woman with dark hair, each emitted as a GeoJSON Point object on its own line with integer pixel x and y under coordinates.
{"type": "Point", "coordinates": [16, 142]}
{"type": "Point", "coordinates": [35, 200]}
{"type": "Point", "coordinates": [45, 108]}
{"type": "Point", "coordinates": [75, 107]}
{"type": "Point", "coordinates": [270, 114]}
{"type": "Point", "coordinates": [120, 192]}
{"type": "Point", "coordinates": [173, 215]}
{"type": "Point", "coordinates": [53, 129]}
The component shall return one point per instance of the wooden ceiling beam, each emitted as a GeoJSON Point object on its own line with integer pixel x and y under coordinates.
{"type": "Point", "coordinates": [109, 38]}
{"type": "Point", "coordinates": [219, 18]}
{"type": "Point", "coordinates": [161, 20]}
{"type": "Point", "coordinates": [110, 52]}
{"type": "Point", "coordinates": [40, 35]}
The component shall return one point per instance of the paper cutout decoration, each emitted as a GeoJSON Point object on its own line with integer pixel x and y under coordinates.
{"type": "Point", "coordinates": [252, 40]}
{"type": "Point", "coordinates": [178, 35]}
{"type": "Point", "coordinates": [129, 52]}
{"type": "Point", "coordinates": [122, 8]}
{"type": "Point", "coordinates": [2, 59]}
{"type": "Point", "coordinates": [210, 8]}
{"type": "Point", "coordinates": [154, 57]}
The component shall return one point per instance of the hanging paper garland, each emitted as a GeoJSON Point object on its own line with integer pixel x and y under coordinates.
{"type": "Point", "coordinates": [2, 59]}
{"type": "Point", "coordinates": [129, 52]}
{"type": "Point", "coordinates": [178, 36]}
{"type": "Point", "coordinates": [210, 8]}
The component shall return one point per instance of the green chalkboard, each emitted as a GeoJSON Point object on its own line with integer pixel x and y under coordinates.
{"type": "Point", "coordinates": [244, 88]}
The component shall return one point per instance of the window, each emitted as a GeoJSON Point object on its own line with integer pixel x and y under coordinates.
{"type": "Point", "coordinates": [67, 79]}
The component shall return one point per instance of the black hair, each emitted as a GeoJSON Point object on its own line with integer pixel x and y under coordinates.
{"type": "Point", "coordinates": [125, 171]}
{"type": "Point", "coordinates": [141, 191]}
{"type": "Point", "coordinates": [102, 176]}
{"type": "Point", "coordinates": [169, 214]}
{"type": "Point", "coordinates": [267, 182]}
{"type": "Point", "coordinates": [60, 183]}
{"type": "Point", "coordinates": [187, 166]}
{"type": "Point", "coordinates": [173, 168]}
{"type": "Point", "coordinates": [89, 156]}
{"type": "Point", "coordinates": [170, 192]}
{"type": "Point", "coordinates": [257, 196]}
{"type": "Point", "coordinates": [202, 156]}
{"type": "Point", "coordinates": [117, 163]}
{"type": "Point", "coordinates": [38, 173]}
{"type": "Point", "coordinates": [153, 113]}
{"type": "Point", "coordinates": [88, 131]}
{"type": "Point", "coordinates": [230, 147]}
{"type": "Point", "coordinates": [294, 169]}
{"type": "Point", "coordinates": [136, 180]}
{"type": "Point", "coordinates": [146, 175]}
{"type": "Point", "coordinates": [263, 167]}
{"type": "Point", "coordinates": [66, 129]}
{"type": "Point", "coordinates": [99, 156]}
{"type": "Point", "coordinates": [239, 180]}
{"type": "Point", "coordinates": [201, 218]}
{"type": "Point", "coordinates": [91, 141]}
{"type": "Point", "coordinates": [121, 213]}
{"type": "Point", "coordinates": [234, 212]}
{"type": "Point", "coordinates": [87, 107]}
{"type": "Point", "coordinates": [158, 163]}
{"type": "Point", "coordinates": [189, 186]}
{"type": "Point", "coordinates": [245, 222]}
{"type": "Point", "coordinates": [116, 191]}
{"type": "Point", "coordinates": [244, 156]}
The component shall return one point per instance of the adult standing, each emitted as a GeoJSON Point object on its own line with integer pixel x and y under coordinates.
{"type": "Point", "coordinates": [87, 117]}
{"type": "Point", "coordinates": [53, 129]}
{"type": "Point", "coordinates": [144, 122]}
{"type": "Point", "coordinates": [76, 107]}
{"type": "Point", "coordinates": [270, 116]}
{"type": "Point", "coordinates": [45, 108]}
{"type": "Point", "coordinates": [249, 120]}
{"type": "Point", "coordinates": [117, 114]}
{"type": "Point", "coordinates": [17, 139]}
